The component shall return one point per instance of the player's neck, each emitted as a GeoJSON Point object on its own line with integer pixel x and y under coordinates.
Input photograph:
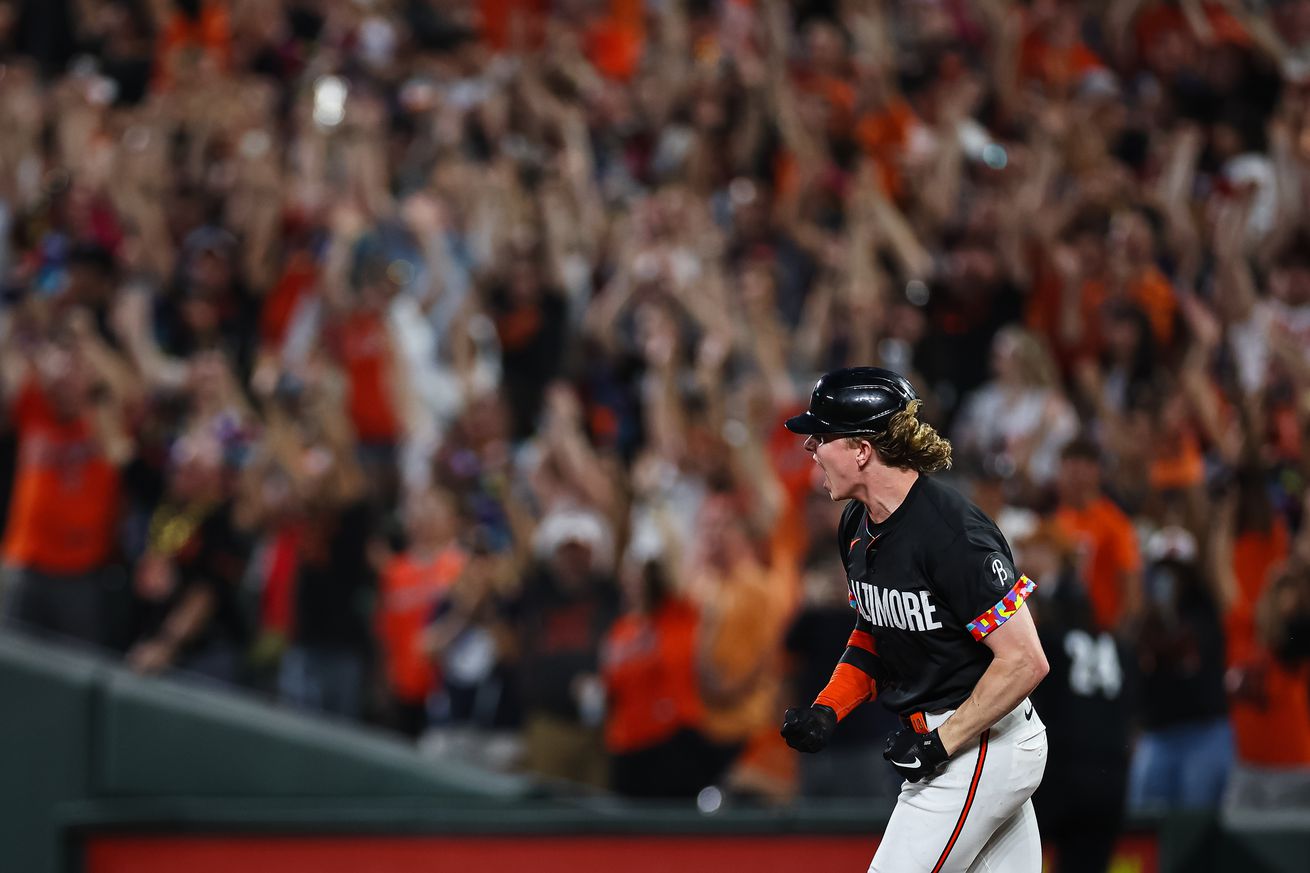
{"type": "Point", "coordinates": [883, 492]}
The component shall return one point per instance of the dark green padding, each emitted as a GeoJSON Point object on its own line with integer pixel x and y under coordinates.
{"type": "Point", "coordinates": [76, 730]}
{"type": "Point", "coordinates": [46, 706]}
{"type": "Point", "coordinates": [163, 738]}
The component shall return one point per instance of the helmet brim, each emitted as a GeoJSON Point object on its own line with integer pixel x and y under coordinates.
{"type": "Point", "coordinates": [808, 423]}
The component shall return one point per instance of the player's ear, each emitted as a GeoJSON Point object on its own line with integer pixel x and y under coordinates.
{"type": "Point", "coordinates": [864, 454]}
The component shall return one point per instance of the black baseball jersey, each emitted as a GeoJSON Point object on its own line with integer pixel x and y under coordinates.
{"type": "Point", "coordinates": [928, 584]}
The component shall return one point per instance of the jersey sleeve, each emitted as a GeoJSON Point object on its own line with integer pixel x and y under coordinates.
{"type": "Point", "coordinates": [976, 578]}
{"type": "Point", "coordinates": [854, 679]}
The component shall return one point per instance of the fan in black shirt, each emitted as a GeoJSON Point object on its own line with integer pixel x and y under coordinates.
{"type": "Point", "coordinates": [1087, 704]}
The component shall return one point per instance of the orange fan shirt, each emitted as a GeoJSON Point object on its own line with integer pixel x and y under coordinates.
{"type": "Point", "coordinates": [1255, 555]}
{"type": "Point", "coordinates": [1286, 709]}
{"type": "Point", "coordinates": [64, 505]}
{"type": "Point", "coordinates": [1058, 66]}
{"type": "Point", "coordinates": [410, 591]}
{"type": "Point", "coordinates": [1107, 544]}
{"type": "Point", "coordinates": [649, 667]}
{"type": "Point", "coordinates": [1178, 463]}
{"type": "Point", "coordinates": [884, 135]}
{"type": "Point", "coordinates": [209, 35]}
{"type": "Point", "coordinates": [1286, 690]}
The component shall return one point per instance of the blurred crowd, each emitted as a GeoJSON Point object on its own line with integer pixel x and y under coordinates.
{"type": "Point", "coordinates": [424, 363]}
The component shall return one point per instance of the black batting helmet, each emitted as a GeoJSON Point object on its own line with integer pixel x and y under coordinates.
{"type": "Point", "coordinates": [855, 400]}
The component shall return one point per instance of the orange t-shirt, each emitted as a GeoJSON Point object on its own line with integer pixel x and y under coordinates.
{"type": "Point", "coordinates": [409, 593]}
{"type": "Point", "coordinates": [63, 509]}
{"type": "Point", "coordinates": [210, 34]}
{"type": "Point", "coordinates": [649, 667]}
{"type": "Point", "coordinates": [1178, 463]}
{"type": "Point", "coordinates": [1286, 690]}
{"type": "Point", "coordinates": [884, 136]}
{"type": "Point", "coordinates": [366, 353]}
{"type": "Point", "coordinates": [1108, 548]}
{"type": "Point", "coordinates": [615, 43]}
{"type": "Point", "coordinates": [751, 604]}
{"type": "Point", "coordinates": [1164, 19]}
{"type": "Point", "coordinates": [1150, 291]}
{"type": "Point", "coordinates": [1286, 710]}
{"type": "Point", "coordinates": [1255, 554]}
{"type": "Point", "coordinates": [1059, 66]}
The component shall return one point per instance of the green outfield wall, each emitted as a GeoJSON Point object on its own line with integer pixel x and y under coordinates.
{"type": "Point", "coordinates": [102, 771]}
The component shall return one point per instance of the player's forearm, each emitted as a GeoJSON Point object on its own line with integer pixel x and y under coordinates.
{"type": "Point", "coordinates": [852, 681]}
{"type": "Point", "coordinates": [1007, 681]}
{"type": "Point", "coordinates": [849, 687]}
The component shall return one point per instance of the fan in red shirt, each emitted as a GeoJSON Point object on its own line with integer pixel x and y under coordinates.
{"type": "Point", "coordinates": [59, 540]}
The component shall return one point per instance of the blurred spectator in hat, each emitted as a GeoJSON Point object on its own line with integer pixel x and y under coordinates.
{"type": "Point", "coordinates": [568, 600]}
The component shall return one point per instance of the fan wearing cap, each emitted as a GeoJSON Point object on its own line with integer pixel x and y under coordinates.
{"type": "Point", "coordinates": [941, 636]}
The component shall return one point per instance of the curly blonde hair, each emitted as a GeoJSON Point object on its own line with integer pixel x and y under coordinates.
{"type": "Point", "coordinates": [911, 444]}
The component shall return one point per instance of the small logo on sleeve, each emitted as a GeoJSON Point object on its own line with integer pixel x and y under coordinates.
{"type": "Point", "coordinates": [999, 572]}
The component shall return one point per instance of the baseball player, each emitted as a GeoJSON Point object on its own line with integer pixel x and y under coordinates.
{"type": "Point", "coordinates": [941, 636]}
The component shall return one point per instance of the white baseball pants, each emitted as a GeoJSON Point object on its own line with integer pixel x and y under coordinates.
{"type": "Point", "coordinates": [976, 816]}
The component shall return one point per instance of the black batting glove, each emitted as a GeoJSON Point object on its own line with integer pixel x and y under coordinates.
{"type": "Point", "coordinates": [808, 730]}
{"type": "Point", "coordinates": [916, 756]}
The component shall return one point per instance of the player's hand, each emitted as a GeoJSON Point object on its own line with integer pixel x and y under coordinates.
{"type": "Point", "coordinates": [916, 756]}
{"type": "Point", "coordinates": [808, 730]}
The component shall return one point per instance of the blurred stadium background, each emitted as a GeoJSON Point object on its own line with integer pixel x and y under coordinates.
{"type": "Point", "coordinates": [391, 468]}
